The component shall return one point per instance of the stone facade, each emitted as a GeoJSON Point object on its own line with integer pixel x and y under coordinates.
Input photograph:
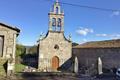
{"type": "Point", "coordinates": [54, 49]}
{"type": "Point", "coordinates": [88, 57]}
{"type": "Point", "coordinates": [8, 36]}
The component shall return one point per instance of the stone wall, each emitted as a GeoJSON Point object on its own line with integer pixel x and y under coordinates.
{"type": "Point", "coordinates": [2, 67]}
{"type": "Point", "coordinates": [9, 41]}
{"type": "Point", "coordinates": [88, 56]}
{"type": "Point", "coordinates": [47, 50]}
{"type": "Point", "coordinates": [9, 35]}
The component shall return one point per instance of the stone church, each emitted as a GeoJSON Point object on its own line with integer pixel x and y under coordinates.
{"type": "Point", "coordinates": [54, 49]}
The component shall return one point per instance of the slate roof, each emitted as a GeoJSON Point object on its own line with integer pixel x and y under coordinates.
{"type": "Point", "coordinates": [8, 26]}
{"type": "Point", "coordinates": [100, 44]}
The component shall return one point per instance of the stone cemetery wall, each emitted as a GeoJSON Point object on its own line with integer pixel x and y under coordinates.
{"type": "Point", "coordinates": [87, 57]}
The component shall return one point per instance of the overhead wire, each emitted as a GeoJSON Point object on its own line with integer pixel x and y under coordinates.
{"type": "Point", "coordinates": [89, 7]}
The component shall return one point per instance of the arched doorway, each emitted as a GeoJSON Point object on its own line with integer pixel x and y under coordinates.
{"type": "Point", "coordinates": [55, 63]}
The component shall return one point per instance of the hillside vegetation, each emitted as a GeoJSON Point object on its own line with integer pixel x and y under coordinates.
{"type": "Point", "coordinates": [97, 44]}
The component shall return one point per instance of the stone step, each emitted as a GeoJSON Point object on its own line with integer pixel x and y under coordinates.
{"type": "Point", "coordinates": [38, 74]}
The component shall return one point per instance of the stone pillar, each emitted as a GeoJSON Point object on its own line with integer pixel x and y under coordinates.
{"type": "Point", "coordinates": [99, 66]}
{"type": "Point", "coordinates": [14, 46]}
{"type": "Point", "coordinates": [11, 59]}
{"type": "Point", "coordinates": [50, 23]}
{"type": "Point", "coordinates": [76, 65]}
{"type": "Point", "coordinates": [10, 66]}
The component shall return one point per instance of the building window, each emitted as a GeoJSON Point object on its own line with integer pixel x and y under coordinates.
{"type": "Point", "coordinates": [59, 22]}
{"type": "Point", "coordinates": [56, 47]}
{"type": "Point", "coordinates": [53, 22]}
{"type": "Point", "coordinates": [57, 10]}
{"type": "Point", "coordinates": [1, 45]}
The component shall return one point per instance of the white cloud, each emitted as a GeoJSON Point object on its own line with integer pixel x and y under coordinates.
{"type": "Point", "coordinates": [84, 31]}
{"type": "Point", "coordinates": [83, 41]}
{"type": "Point", "coordinates": [117, 36]}
{"type": "Point", "coordinates": [102, 35]}
{"type": "Point", "coordinates": [112, 36]}
{"type": "Point", "coordinates": [116, 13]}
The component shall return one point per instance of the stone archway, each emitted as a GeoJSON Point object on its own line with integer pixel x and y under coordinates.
{"type": "Point", "coordinates": [55, 63]}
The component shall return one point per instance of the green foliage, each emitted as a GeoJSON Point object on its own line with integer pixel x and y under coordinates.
{"type": "Point", "coordinates": [32, 50]}
{"type": "Point", "coordinates": [20, 50]}
{"type": "Point", "coordinates": [74, 44]}
{"type": "Point", "coordinates": [2, 70]}
{"type": "Point", "coordinates": [19, 67]}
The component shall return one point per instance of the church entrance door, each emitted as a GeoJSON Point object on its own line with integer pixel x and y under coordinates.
{"type": "Point", "coordinates": [55, 63]}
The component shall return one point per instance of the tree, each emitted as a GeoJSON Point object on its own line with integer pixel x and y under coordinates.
{"type": "Point", "coordinates": [20, 50]}
{"type": "Point", "coordinates": [33, 49]}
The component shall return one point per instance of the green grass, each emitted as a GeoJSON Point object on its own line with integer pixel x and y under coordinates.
{"type": "Point", "coordinates": [2, 70]}
{"type": "Point", "coordinates": [19, 67]}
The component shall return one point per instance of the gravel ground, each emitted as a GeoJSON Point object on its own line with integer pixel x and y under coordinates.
{"type": "Point", "coordinates": [103, 77]}
{"type": "Point", "coordinates": [58, 78]}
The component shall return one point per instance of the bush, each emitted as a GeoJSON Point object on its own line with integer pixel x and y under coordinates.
{"type": "Point", "coordinates": [20, 50]}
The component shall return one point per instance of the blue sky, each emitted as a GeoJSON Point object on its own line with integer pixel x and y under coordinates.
{"type": "Point", "coordinates": [84, 24]}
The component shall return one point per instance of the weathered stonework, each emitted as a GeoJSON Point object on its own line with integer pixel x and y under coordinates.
{"type": "Point", "coordinates": [47, 50]}
{"type": "Point", "coordinates": [54, 49]}
{"type": "Point", "coordinates": [89, 56]}
{"type": "Point", "coordinates": [9, 35]}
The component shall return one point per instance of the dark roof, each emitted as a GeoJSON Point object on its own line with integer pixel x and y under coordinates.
{"type": "Point", "coordinates": [100, 44]}
{"type": "Point", "coordinates": [8, 26]}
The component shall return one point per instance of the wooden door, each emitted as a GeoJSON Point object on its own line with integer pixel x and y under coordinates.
{"type": "Point", "coordinates": [55, 63]}
{"type": "Point", "coordinates": [1, 46]}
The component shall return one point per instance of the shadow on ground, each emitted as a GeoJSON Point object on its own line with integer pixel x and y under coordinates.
{"type": "Point", "coordinates": [56, 76]}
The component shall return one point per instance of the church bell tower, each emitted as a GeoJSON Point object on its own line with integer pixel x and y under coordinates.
{"type": "Point", "coordinates": [56, 18]}
{"type": "Point", "coordinates": [54, 44]}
